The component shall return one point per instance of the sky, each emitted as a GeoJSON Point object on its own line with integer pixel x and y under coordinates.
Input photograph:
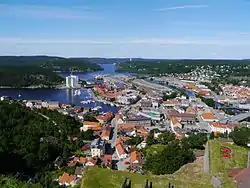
{"type": "Point", "coordinates": [171, 29]}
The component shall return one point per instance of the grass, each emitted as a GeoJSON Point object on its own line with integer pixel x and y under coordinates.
{"type": "Point", "coordinates": [219, 166]}
{"type": "Point", "coordinates": [189, 176]}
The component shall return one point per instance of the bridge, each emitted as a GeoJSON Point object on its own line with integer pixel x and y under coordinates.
{"type": "Point", "coordinates": [237, 118]}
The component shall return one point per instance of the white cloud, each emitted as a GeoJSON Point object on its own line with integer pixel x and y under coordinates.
{"type": "Point", "coordinates": [181, 7]}
{"type": "Point", "coordinates": [47, 12]}
{"type": "Point", "coordinates": [126, 47]}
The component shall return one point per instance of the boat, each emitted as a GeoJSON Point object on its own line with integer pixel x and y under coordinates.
{"type": "Point", "coordinates": [84, 102]}
{"type": "Point", "coordinates": [97, 108]}
{"type": "Point", "coordinates": [19, 95]}
{"type": "Point", "coordinates": [77, 92]}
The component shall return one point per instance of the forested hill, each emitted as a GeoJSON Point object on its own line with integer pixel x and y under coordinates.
{"type": "Point", "coordinates": [53, 63]}
{"type": "Point", "coordinates": [39, 71]}
{"type": "Point", "coordinates": [182, 66]}
{"type": "Point", "coordinates": [30, 143]}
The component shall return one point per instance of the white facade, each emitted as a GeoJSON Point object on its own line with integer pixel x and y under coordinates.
{"type": "Point", "coordinates": [96, 152]}
{"type": "Point", "coordinates": [219, 129]}
{"type": "Point", "coordinates": [72, 81]}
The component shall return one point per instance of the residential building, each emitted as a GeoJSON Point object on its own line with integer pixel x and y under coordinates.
{"type": "Point", "coordinates": [138, 120]}
{"type": "Point", "coordinates": [135, 160]}
{"type": "Point", "coordinates": [97, 147]}
{"type": "Point", "coordinates": [209, 117]}
{"type": "Point", "coordinates": [53, 105]}
{"type": "Point", "coordinates": [67, 180]}
{"type": "Point", "coordinates": [104, 118]}
{"type": "Point", "coordinates": [174, 122]}
{"type": "Point", "coordinates": [105, 135]}
{"type": "Point", "coordinates": [217, 127]}
{"type": "Point", "coordinates": [119, 148]}
{"type": "Point", "coordinates": [89, 125]}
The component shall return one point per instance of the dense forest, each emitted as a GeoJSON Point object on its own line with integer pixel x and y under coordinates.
{"type": "Point", "coordinates": [26, 76]}
{"type": "Point", "coordinates": [232, 67]}
{"type": "Point", "coordinates": [39, 71]}
{"type": "Point", "coordinates": [30, 143]}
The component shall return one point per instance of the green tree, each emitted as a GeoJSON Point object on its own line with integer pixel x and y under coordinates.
{"type": "Point", "coordinates": [211, 136]}
{"type": "Point", "coordinates": [241, 136]}
{"type": "Point", "coordinates": [169, 160]}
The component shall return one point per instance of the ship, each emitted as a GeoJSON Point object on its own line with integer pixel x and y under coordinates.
{"type": "Point", "coordinates": [77, 93]}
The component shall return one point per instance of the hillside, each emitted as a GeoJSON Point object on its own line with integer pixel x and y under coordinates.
{"type": "Point", "coordinates": [190, 175]}
{"type": "Point", "coordinates": [39, 71]}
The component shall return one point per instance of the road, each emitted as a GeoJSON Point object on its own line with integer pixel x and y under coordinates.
{"type": "Point", "coordinates": [115, 126]}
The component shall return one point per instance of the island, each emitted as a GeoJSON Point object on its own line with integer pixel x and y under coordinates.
{"type": "Point", "coordinates": [40, 71]}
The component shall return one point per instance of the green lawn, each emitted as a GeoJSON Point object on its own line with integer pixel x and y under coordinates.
{"type": "Point", "coordinates": [219, 166]}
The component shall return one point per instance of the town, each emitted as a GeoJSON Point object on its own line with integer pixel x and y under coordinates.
{"type": "Point", "coordinates": [147, 108]}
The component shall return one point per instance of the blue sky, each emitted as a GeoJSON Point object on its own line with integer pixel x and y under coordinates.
{"type": "Point", "coordinates": [131, 28]}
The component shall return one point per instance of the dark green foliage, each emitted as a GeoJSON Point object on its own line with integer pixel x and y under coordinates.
{"type": "Point", "coordinates": [166, 137]}
{"type": "Point", "coordinates": [241, 136]}
{"type": "Point", "coordinates": [134, 141]}
{"type": "Point", "coordinates": [8, 182]}
{"type": "Point", "coordinates": [24, 76]}
{"type": "Point", "coordinates": [39, 70]}
{"type": "Point", "coordinates": [211, 136]}
{"type": "Point", "coordinates": [169, 160]}
{"type": "Point", "coordinates": [30, 143]}
{"type": "Point", "coordinates": [208, 101]}
{"type": "Point", "coordinates": [156, 67]}
{"type": "Point", "coordinates": [90, 118]}
{"type": "Point", "coordinates": [194, 141]}
{"type": "Point", "coordinates": [150, 139]}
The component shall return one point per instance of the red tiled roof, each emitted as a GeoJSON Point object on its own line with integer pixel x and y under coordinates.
{"type": "Point", "coordinates": [126, 126]}
{"type": "Point", "coordinates": [221, 125]}
{"type": "Point", "coordinates": [208, 115]}
{"type": "Point", "coordinates": [107, 159]}
{"type": "Point", "coordinates": [66, 178]}
{"type": "Point", "coordinates": [91, 123]}
{"type": "Point", "coordinates": [135, 156]}
{"type": "Point", "coordinates": [105, 133]}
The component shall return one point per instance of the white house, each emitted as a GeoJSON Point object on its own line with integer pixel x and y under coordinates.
{"type": "Point", "coordinates": [220, 128]}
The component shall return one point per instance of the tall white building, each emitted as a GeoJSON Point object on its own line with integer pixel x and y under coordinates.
{"type": "Point", "coordinates": [72, 81]}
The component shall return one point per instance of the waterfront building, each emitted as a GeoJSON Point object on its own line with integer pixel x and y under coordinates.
{"type": "Point", "coordinates": [72, 81]}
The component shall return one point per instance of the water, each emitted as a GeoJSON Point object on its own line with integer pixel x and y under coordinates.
{"type": "Point", "coordinates": [63, 95]}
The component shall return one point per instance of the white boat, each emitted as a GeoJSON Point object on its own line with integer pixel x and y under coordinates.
{"type": "Point", "coordinates": [97, 108]}
{"type": "Point", "coordinates": [19, 95]}
{"type": "Point", "coordinates": [77, 92]}
{"type": "Point", "coordinates": [84, 102]}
